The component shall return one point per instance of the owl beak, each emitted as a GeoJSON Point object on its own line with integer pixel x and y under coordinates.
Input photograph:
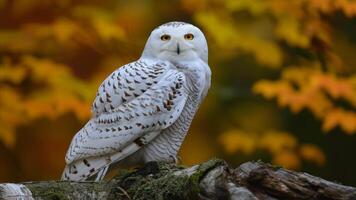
{"type": "Point", "coordinates": [178, 49]}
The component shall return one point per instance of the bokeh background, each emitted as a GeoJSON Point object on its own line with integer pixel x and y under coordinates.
{"type": "Point", "coordinates": [283, 79]}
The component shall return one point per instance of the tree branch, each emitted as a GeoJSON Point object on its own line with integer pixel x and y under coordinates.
{"type": "Point", "coordinates": [213, 179]}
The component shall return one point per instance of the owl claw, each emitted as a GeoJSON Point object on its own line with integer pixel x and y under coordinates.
{"type": "Point", "coordinates": [175, 159]}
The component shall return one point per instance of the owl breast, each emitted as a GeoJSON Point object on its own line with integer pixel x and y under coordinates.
{"type": "Point", "coordinates": [166, 146]}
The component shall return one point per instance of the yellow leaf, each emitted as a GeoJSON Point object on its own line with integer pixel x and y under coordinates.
{"type": "Point", "coordinates": [108, 30]}
{"type": "Point", "coordinates": [336, 87]}
{"type": "Point", "coordinates": [256, 7]}
{"type": "Point", "coordinates": [11, 107]}
{"type": "Point", "coordinates": [326, 6]}
{"type": "Point", "coordinates": [287, 159]}
{"type": "Point", "coordinates": [39, 108]}
{"type": "Point", "coordinates": [70, 103]}
{"type": "Point", "coordinates": [266, 52]}
{"type": "Point", "coordinates": [320, 103]}
{"type": "Point", "coordinates": [347, 6]}
{"type": "Point", "coordinates": [7, 136]}
{"type": "Point", "coordinates": [312, 153]}
{"type": "Point", "coordinates": [300, 75]}
{"type": "Point", "coordinates": [64, 29]}
{"type": "Point", "coordinates": [236, 141]}
{"type": "Point", "coordinates": [270, 89]}
{"type": "Point", "coordinates": [14, 74]}
{"type": "Point", "coordinates": [289, 29]}
{"type": "Point", "coordinates": [340, 117]}
{"type": "Point", "coordinates": [275, 141]}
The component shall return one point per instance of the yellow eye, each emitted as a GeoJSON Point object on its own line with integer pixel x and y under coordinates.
{"type": "Point", "coordinates": [189, 36]}
{"type": "Point", "coordinates": [165, 37]}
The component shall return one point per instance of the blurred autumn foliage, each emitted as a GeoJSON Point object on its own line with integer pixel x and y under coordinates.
{"type": "Point", "coordinates": [284, 73]}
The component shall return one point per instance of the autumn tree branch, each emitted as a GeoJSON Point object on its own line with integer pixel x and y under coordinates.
{"type": "Point", "coordinates": [213, 179]}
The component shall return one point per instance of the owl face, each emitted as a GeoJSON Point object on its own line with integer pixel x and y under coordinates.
{"type": "Point", "coordinates": [176, 42]}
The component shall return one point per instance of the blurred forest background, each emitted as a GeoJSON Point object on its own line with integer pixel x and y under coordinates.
{"type": "Point", "coordinates": [283, 84]}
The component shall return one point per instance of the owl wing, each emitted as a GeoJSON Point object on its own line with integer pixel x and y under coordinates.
{"type": "Point", "coordinates": [127, 83]}
{"type": "Point", "coordinates": [116, 133]}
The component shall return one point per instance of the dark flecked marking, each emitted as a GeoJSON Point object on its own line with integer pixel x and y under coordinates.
{"type": "Point", "coordinates": [127, 94]}
{"type": "Point", "coordinates": [85, 161]}
{"type": "Point", "coordinates": [139, 142]}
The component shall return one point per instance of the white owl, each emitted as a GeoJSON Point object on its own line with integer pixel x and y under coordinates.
{"type": "Point", "coordinates": [143, 110]}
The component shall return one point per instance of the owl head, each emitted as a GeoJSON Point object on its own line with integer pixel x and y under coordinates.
{"type": "Point", "coordinates": [176, 42]}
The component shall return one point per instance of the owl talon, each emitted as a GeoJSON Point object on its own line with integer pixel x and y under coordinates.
{"type": "Point", "coordinates": [175, 159]}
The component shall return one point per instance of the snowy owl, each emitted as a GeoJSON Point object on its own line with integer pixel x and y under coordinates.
{"type": "Point", "coordinates": [143, 110]}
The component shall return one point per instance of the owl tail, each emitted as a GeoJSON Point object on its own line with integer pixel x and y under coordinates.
{"type": "Point", "coordinates": [86, 169]}
{"type": "Point", "coordinates": [98, 176]}
{"type": "Point", "coordinates": [101, 174]}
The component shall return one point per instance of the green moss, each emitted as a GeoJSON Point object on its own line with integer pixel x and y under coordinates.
{"type": "Point", "coordinates": [167, 187]}
{"type": "Point", "coordinates": [55, 193]}
{"type": "Point", "coordinates": [205, 168]}
{"type": "Point", "coordinates": [157, 181]}
{"type": "Point", "coordinates": [64, 190]}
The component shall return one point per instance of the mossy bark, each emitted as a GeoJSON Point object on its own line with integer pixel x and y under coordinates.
{"type": "Point", "coordinates": [213, 179]}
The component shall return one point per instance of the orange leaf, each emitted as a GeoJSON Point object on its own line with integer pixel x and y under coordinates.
{"type": "Point", "coordinates": [237, 141]}
{"type": "Point", "coordinates": [287, 159]}
{"type": "Point", "coordinates": [312, 153]}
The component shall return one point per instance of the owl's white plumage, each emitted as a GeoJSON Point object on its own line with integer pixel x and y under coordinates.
{"type": "Point", "coordinates": [143, 110]}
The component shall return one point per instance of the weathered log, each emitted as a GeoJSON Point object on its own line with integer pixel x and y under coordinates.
{"type": "Point", "coordinates": [213, 179]}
